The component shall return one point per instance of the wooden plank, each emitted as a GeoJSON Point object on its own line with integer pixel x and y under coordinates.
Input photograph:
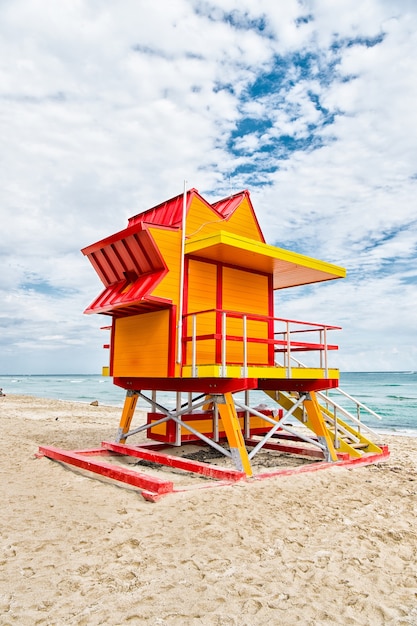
{"type": "Point", "coordinates": [121, 474]}
{"type": "Point", "coordinates": [366, 459]}
{"type": "Point", "coordinates": [201, 385]}
{"type": "Point", "coordinates": [140, 344]}
{"type": "Point", "coordinates": [315, 453]}
{"type": "Point", "coordinates": [197, 467]}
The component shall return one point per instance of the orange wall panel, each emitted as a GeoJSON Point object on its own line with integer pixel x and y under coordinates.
{"type": "Point", "coordinates": [141, 345]}
{"type": "Point", "coordinates": [202, 290]}
{"type": "Point", "coordinates": [246, 292]}
{"type": "Point", "coordinates": [243, 222]}
{"type": "Point", "coordinates": [169, 243]}
{"type": "Point", "coordinates": [202, 285]}
{"type": "Point", "coordinates": [203, 221]}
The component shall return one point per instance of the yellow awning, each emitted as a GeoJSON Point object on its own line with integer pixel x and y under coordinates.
{"type": "Point", "coordinates": [289, 269]}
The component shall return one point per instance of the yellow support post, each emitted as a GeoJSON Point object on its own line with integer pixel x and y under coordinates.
{"type": "Point", "coordinates": [208, 406]}
{"type": "Point", "coordinates": [234, 435]}
{"type": "Point", "coordinates": [127, 415]}
{"type": "Point", "coordinates": [318, 424]}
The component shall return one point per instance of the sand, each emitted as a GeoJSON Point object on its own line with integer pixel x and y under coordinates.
{"type": "Point", "coordinates": [324, 548]}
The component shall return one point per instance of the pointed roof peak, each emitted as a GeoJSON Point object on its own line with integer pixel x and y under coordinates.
{"type": "Point", "coordinates": [169, 212]}
{"type": "Point", "coordinates": [228, 205]}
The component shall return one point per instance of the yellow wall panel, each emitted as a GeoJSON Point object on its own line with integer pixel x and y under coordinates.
{"type": "Point", "coordinates": [205, 426]}
{"type": "Point", "coordinates": [257, 352]}
{"type": "Point", "coordinates": [141, 345]}
{"type": "Point", "coordinates": [205, 348]}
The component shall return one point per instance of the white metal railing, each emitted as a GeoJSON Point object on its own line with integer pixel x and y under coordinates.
{"type": "Point", "coordinates": [334, 407]}
{"type": "Point", "coordinates": [285, 341]}
{"type": "Point", "coordinates": [292, 328]}
{"type": "Point", "coordinates": [347, 414]}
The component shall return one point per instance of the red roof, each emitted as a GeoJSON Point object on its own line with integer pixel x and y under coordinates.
{"type": "Point", "coordinates": [129, 262]}
{"type": "Point", "coordinates": [135, 296]}
{"type": "Point", "coordinates": [228, 205]}
{"type": "Point", "coordinates": [130, 266]}
{"type": "Point", "coordinates": [126, 255]}
{"type": "Point", "coordinates": [169, 213]}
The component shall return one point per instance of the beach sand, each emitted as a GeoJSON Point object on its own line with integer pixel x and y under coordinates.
{"type": "Point", "coordinates": [323, 548]}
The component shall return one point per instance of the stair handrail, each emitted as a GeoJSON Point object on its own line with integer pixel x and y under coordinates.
{"type": "Point", "coordinates": [336, 406]}
{"type": "Point", "coordinates": [346, 413]}
{"type": "Point", "coordinates": [358, 403]}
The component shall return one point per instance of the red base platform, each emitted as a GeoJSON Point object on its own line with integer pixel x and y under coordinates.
{"type": "Point", "coordinates": [153, 488]}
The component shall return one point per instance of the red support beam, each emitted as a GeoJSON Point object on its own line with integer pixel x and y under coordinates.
{"type": "Point", "coordinates": [200, 385]}
{"type": "Point", "coordinates": [315, 453]}
{"type": "Point", "coordinates": [366, 459]}
{"type": "Point", "coordinates": [121, 474]}
{"type": "Point", "coordinates": [153, 489]}
{"type": "Point", "coordinates": [205, 469]}
{"type": "Point", "coordinates": [296, 384]}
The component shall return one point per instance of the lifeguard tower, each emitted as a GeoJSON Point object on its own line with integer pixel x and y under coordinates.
{"type": "Point", "coordinates": [189, 294]}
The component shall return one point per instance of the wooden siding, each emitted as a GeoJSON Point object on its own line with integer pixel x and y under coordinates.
{"type": "Point", "coordinates": [243, 222]}
{"type": "Point", "coordinates": [141, 345]}
{"type": "Point", "coordinates": [169, 244]}
{"type": "Point", "coordinates": [201, 221]}
{"type": "Point", "coordinates": [246, 292]}
{"type": "Point", "coordinates": [202, 295]}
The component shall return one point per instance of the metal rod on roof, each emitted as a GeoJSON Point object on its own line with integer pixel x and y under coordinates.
{"type": "Point", "coordinates": [182, 266]}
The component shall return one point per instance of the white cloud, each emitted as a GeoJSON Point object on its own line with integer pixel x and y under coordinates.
{"type": "Point", "coordinates": [105, 109]}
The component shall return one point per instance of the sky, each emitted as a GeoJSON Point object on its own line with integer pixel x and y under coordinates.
{"type": "Point", "coordinates": [107, 107]}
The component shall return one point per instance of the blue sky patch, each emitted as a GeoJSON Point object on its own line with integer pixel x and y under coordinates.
{"type": "Point", "coordinates": [271, 90]}
{"type": "Point", "coordinates": [237, 19]}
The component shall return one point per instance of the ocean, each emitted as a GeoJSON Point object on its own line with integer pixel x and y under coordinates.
{"type": "Point", "coordinates": [392, 395]}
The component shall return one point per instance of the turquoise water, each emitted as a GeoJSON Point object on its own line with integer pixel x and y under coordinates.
{"type": "Point", "coordinates": [77, 388]}
{"type": "Point", "coordinates": [393, 395]}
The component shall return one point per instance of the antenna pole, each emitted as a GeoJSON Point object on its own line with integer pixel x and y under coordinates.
{"type": "Point", "coordinates": [182, 277]}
